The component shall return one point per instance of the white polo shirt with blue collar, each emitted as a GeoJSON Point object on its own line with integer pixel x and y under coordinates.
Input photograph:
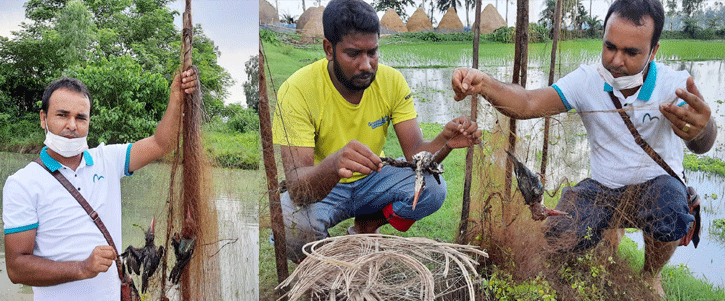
{"type": "Point", "coordinates": [34, 199]}
{"type": "Point", "coordinates": [616, 160]}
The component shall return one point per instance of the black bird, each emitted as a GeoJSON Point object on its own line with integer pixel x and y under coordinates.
{"type": "Point", "coordinates": [149, 257]}
{"type": "Point", "coordinates": [532, 190]}
{"type": "Point", "coordinates": [183, 247]}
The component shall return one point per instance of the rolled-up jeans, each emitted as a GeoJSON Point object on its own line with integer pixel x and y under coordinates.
{"type": "Point", "coordinates": [390, 190]}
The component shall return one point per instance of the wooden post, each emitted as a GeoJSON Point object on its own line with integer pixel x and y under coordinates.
{"type": "Point", "coordinates": [275, 205]}
{"type": "Point", "coordinates": [466, 203]}
{"type": "Point", "coordinates": [552, 68]}
{"type": "Point", "coordinates": [520, 65]}
{"type": "Point", "coordinates": [191, 195]}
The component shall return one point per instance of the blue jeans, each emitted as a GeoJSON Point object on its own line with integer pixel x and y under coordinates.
{"type": "Point", "coordinates": [658, 207]}
{"type": "Point", "coordinates": [392, 187]}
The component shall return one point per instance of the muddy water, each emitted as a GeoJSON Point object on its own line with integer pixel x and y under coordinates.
{"type": "Point", "coordinates": [144, 195]}
{"type": "Point", "coordinates": [569, 149]}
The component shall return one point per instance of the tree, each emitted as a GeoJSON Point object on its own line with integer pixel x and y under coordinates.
{"type": "Point", "coordinates": [251, 86]}
{"type": "Point", "coordinates": [397, 5]}
{"type": "Point", "coordinates": [691, 6]}
{"type": "Point", "coordinates": [127, 100]}
{"type": "Point", "coordinates": [289, 19]}
{"type": "Point", "coordinates": [443, 5]}
{"type": "Point", "coordinates": [63, 35]}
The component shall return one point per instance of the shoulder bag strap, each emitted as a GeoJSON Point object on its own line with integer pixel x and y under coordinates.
{"type": "Point", "coordinates": [641, 142]}
{"type": "Point", "coordinates": [87, 207]}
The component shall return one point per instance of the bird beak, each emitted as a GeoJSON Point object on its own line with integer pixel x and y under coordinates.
{"type": "Point", "coordinates": [153, 224]}
{"type": "Point", "coordinates": [417, 195]}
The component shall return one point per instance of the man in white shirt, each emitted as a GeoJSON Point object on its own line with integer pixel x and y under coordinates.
{"type": "Point", "coordinates": [51, 243]}
{"type": "Point", "coordinates": [665, 107]}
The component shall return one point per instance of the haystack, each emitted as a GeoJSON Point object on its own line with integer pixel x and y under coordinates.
{"type": "Point", "coordinates": [308, 15]}
{"type": "Point", "coordinates": [313, 29]}
{"type": "Point", "coordinates": [267, 13]}
{"type": "Point", "coordinates": [419, 21]}
{"type": "Point", "coordinates": [491, 19]}
{"type": "Point", "coordinates": [392, 21]}
{"type": "Point", "coordinates": [450, 22]}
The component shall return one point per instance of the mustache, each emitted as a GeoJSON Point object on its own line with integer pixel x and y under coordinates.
{"type": "Point", "coordinates": [361, 75]}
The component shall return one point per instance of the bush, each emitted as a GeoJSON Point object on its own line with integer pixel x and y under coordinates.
{"type": "Point", "coordinates": [268, 36]}
{"type": "Point", "coordinates": [538, 33]}
{"type": "Point", "coordinates": [244, 121]}
{"type": "Point", "coordinates": [503, 34]}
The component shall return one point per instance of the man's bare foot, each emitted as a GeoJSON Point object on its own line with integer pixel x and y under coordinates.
{"type": "Point", "coordinates": [655, 283]}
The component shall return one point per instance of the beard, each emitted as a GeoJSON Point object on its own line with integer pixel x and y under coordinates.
{"type": "Point", "coordinates": [349, 83]}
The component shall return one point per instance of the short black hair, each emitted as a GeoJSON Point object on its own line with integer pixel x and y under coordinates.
{"type": "Point", "coordinates": [342, 17]}
{"type": "Point", "coordinates": [71, 84]}
{"type": "Point", "coordinates": [635, 10]}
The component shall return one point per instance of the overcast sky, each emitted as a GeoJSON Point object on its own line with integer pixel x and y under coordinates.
{"type": "Point", "coordinates": [232, 24]}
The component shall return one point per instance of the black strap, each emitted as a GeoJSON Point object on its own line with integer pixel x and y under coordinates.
{"type": "Point", "coordinates": [641, 142]}
{"type": "Point", "coordinates": [87, 207]}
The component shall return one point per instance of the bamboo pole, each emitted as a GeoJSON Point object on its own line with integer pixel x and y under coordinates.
{"type": "Point", "coordinates": [520, 65]}
{"type": "Point", "coordinates": [552, 68]}
{"type": "Point", "coordinates": [466, 203]}
{"type": "Point", "coordinates": [275, 205]}
{"type": "Point", "coordinates": [190, 196]}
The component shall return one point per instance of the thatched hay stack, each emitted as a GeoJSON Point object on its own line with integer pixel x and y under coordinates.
{"type": "Point", "coordinates": [491, 19]}
{"type": "Point", "coordinates": [419, 21]}
{"type": "Point", "coordinates": [313, 29]}
{"type": "Point", "coordinates": [392, 21]}
{"type": "Point", "coordinates": [450, 22]}
{"type": "Point", "coordinates": [267, 13]}
{"type": "Point", "coordinates": [308, 15]}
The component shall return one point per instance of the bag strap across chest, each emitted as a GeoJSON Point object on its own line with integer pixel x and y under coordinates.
{"type": "Point", "coordinates": [87, 207]}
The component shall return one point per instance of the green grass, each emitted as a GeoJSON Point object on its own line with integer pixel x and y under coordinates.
{"type": "Point", "coordinates": [232, 149]}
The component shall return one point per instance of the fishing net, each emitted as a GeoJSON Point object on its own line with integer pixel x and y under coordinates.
{"type": "Point", "coordinates": [502, 223]}
{"type": "Point", "coordinates": [384, 267]}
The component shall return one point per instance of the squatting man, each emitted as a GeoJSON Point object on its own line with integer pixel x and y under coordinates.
{"type": "Point", "coordinates": [331, 123]}
{"type": "Point", "coordinates": [665, 107]}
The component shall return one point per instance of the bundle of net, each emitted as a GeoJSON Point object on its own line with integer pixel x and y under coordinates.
{"type": "Point", "coordinates": [384, 267]}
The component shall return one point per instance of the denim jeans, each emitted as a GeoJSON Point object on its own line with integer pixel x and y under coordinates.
{"type": "Point", "coordinates": [391, 186]}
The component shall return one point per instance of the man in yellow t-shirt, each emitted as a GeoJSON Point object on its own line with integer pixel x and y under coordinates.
{"type": "Point", "coordinates": [331, 122]}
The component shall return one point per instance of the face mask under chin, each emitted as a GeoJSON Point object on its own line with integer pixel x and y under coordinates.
{"type": "Point", "coordinates": [623, 82]}
{"type": "Point", "coordinates": [66, 147]}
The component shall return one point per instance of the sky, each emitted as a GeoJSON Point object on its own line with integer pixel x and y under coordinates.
{"type": "Point", "coordinates": [226, 22]}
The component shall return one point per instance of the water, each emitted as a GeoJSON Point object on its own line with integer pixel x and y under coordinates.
{"type": "Point", "coordinates": [569, 148]}
{"type": "Point", "coordinates": [236, 195]}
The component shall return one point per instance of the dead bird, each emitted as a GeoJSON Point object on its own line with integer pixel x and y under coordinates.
{"type": "Point", "coordinates": [423, 162]}
{"type": "Point", "coordinates": [183, 247]}
{"type": "Point", "coordinates": [147, 257]}
{"type": "Point", "coordinates": [532, 190]}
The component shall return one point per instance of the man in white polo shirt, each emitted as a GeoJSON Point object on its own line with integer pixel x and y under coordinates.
{"type": "Point", "coordinates": [51, 243]}
{"type": "Point", "coordinates": [664, 106]}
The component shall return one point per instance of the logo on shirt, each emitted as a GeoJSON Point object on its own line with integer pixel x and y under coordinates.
{"type": "Point", "coordinates": [97, 177]}
{"type": "Point", "coordinates": [380, 122]}
{"type": "Point", "coordinates": [650, 117]}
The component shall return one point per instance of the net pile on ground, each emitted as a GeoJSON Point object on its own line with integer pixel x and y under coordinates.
{"type": "Point", "coordinates": [384, 267]}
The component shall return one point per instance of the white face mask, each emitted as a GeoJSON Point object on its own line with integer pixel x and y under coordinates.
{"type": "Point", "coordinates": [66, 147]}
{"type": "Point", "coordinates": [622, 82]}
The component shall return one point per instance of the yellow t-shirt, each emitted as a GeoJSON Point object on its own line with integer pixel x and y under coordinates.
{"type": "Point", "coordinates": [311, 112]}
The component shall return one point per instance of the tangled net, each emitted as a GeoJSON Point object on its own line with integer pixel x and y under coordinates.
{"type": "Point", "coordinates": [384, 267]}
